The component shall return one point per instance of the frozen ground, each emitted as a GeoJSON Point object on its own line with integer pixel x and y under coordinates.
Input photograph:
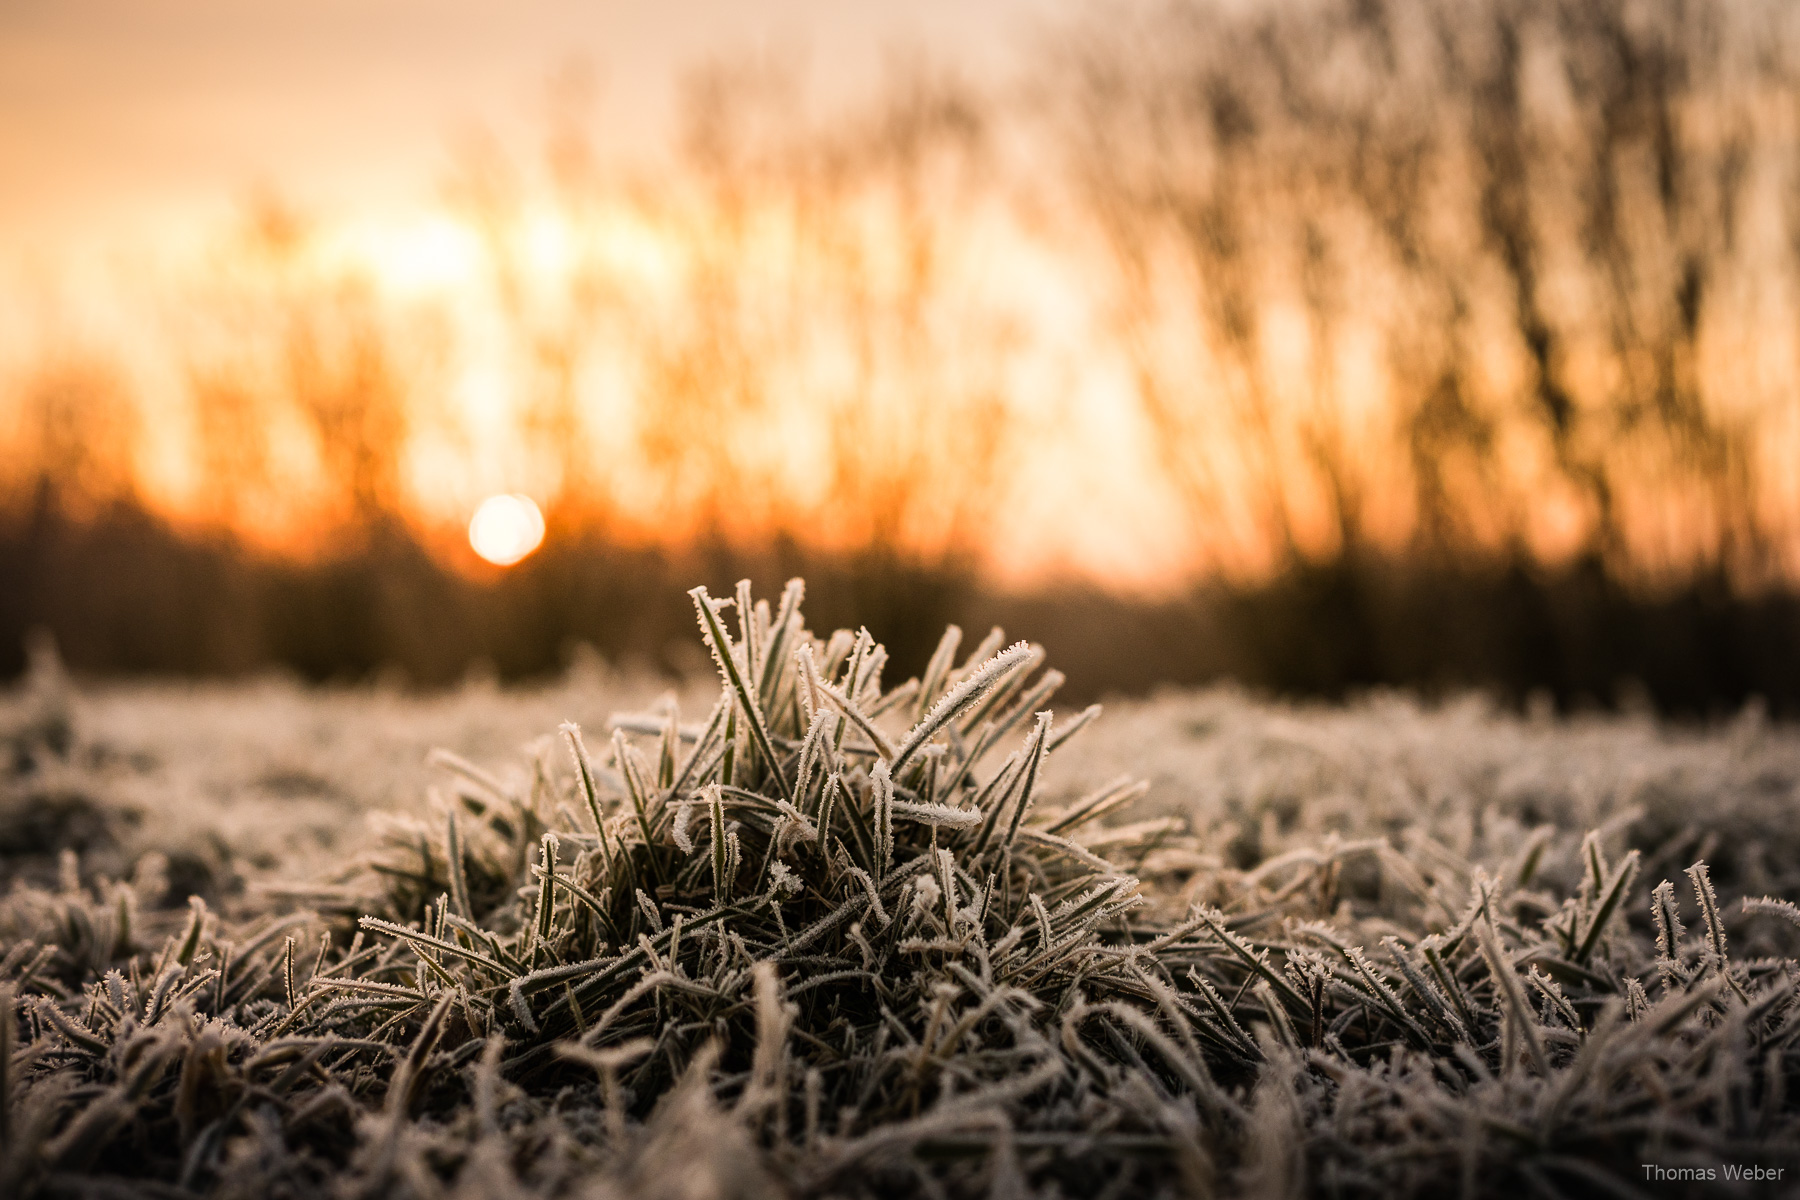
{"type": "Point", "coordinates": [268, 778]}
{"type": "Point", "coordinates": [1393, 948]}
{"type": "Point", "coordinates": [271, 778]}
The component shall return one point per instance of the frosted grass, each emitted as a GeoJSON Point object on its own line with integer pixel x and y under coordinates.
{"type": "Point", "coordinates": [847, 938]}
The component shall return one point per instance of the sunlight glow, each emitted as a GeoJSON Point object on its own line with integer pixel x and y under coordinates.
{"type": "Point", "coordinates": [506, 528]}
{"type": "Point", "coordinates": [417, 255]}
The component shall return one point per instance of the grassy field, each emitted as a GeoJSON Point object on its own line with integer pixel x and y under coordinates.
{"type": "Point", "coordinates": [807, 934]}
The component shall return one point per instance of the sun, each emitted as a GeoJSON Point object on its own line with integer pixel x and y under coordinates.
{"type": "Point", "coordinates": [506, 528]}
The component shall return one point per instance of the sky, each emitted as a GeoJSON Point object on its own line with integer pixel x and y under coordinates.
{"type": "Point", "coordinates": [127, 119]}
{"type": "Point", "coordinates": [134, 131]}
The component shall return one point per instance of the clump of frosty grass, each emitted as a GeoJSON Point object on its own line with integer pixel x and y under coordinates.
{"type": "Point", "coordinates": [834, 940]}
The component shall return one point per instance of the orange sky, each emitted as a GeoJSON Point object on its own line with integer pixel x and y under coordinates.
{"type": "Point", "coordinates": [133, 131]}
{"type": "Point", "coordinates": [126, 118]}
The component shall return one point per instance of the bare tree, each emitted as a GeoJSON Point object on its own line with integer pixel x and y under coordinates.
{"type": "Point", "coordinates": [1548, 215]}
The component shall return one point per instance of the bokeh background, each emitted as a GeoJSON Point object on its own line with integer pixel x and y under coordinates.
{"type": "Point", "coordinates": [1318, 344]}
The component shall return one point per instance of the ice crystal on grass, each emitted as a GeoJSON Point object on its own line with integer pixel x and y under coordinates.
{"type": "Point", "coordinates": [839, 939]}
